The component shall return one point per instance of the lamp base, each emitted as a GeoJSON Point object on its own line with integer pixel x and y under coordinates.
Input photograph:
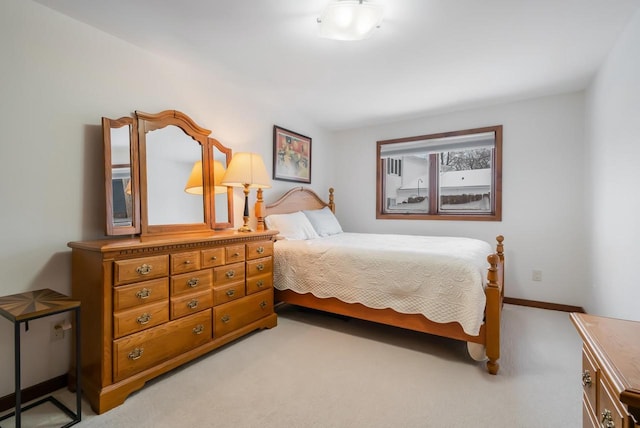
{"type": "Point", "coordinates": [245, 227]}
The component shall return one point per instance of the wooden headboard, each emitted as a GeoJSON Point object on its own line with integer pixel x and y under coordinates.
{"type": "Point", "coordinates": [296, 199]}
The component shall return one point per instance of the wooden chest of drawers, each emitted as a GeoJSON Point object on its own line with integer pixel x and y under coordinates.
{"type": "Point", "coordinates": [610, 371]}
{"type": "Point", "coordinates": [151, 305]}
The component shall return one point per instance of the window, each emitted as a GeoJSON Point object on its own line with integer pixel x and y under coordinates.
{"type": "Point", "coordinates": [449, 176]}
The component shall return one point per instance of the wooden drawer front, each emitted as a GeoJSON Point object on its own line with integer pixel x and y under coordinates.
{"type": "Point", "coordinates": [186, 304]}
{"type": "Point", "coordinates": [191, 282]}
{"type": "Point", "coordinates": [185, 262]}
{"type": "Point", "coordinates": [609, 412]}
{"type": "Point", "coordinates": [140, 293]}
{"type": "Point", "coordinates": [259, 283]}
{"type": "Point", "coordinates": [228, 292]}
{"type": "Point", "coordinates": [588, 416]}
{"type": "Point", "coordinates": [139, 351]}
{"type": "Point", "coordinates": [228, 274]}
{"type": "Point", "coordinates": [213, 257]}
{"type": "Point", "coordinates": [141, 269]}
{"type": "Point", "coordinates": [259, 266]}
{"type": "Point", "coordinates": [234, 253]}
{"type": "Point", "coordinates": [589, 378]}
{"type": "Point", "coordinates": [259, 249]}
{"type": "Point", "coordinates": [140, 318]}
{"type": "Point", "coordinates": [233, 315]}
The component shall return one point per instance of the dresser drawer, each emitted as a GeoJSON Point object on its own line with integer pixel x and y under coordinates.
{"type": "Point", "coordinates": [234, 253]}
{"type": "Point", "coordinates": [236, 314]}
{"type": "Point", "coordinates": [140, 318]}
{"type": "Point", "coordinates": [140, 293]}
{"type": "Point", "coordinates": [259, 283]}
{"type": "Point", "coordinates": [589, 379]}
{"type": "Point", "coordinates": [228, 292]}
{"type": "Point", "coordinates": [140, 269]}
{"type": "Point", "coordinates": [213, 257]}
{"type": "Point", "coordinates": [610, 413]}
{"type": "Point", "coordinates": [255, 250]}
{"type": "Point", "coordinates": [259, 266]}
{"type": "Point", "coordinates": [190, 282]}
{"type": "Point", "coordinates": [186, 304]}
{"type": "Point", "coordinates": [137, 352]}
{"type": "Point", "coordinates": [185, 262]}
{"type": "Point", "coordinates": [228, 274]}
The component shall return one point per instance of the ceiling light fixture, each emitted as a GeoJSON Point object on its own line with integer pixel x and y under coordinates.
{"type": "Point", "coordinates": [349, 19]}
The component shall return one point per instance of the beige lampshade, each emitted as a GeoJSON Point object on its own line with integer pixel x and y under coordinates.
{"type": "Point", "coordinates": [218, 173]}
{"type": "Point", "coordinates": [246, 168]}
{"type": "Point", "coordinates": [194, 183]}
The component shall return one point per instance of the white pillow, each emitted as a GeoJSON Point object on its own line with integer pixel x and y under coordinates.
{"type": "Point", "coordinates": [324, 221]}
{"type": "Point", "coordinates": [294, 226]}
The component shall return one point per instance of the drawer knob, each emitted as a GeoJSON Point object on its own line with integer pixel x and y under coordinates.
{"type": "Point", "coordinates": [214, 258]}
{"type": "Point", "coordinates": [236, 254]}
{"type": "Point", "coordinates": [145, 269]}
{"type": "Point", "coordinates": [586, 378]}
{"type": "Point", "coordinates": [193, 282]}
{"type": "Point", "coordinates": [198, 329]}
{"type": "Point", "coordinates": [259, 283]}
{"type": "Point", "coordinates": [225, 318]}
{"type": "Point", "coordinates": [144, 318]}
{"type": "Point", "coordinates": [136, 353]}
{"type": "Point", "coordinates": [260, 267]}
{"type": "Point", "coordinates": [230, 273]}
{"type": "Point", "coordinates": [231, 292]}
{"type": "Point", "coordinates": [263, 304]}
{"type": "Point", "coordinates": [193, 304]}
{"type": "Point", "coordinates": [143, 294]}
{"type": "Point", "coordinates": [607, 419]}
{"type": "Point", "coordinates": [260, 250]}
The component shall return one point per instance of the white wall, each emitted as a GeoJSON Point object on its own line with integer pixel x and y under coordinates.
{"type": "Point", "coordinates": [59, 77]}
{"type": "Point", "coordinates": [543, 194]}
{"type": "Point", "coordinates": [612, 177]}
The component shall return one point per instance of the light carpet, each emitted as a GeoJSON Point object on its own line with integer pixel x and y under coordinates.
{"type": "Point", "coordinates": [319, 370]}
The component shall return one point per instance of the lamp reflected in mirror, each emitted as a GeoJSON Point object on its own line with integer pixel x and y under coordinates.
{"type": "Point", "coordinates": [194, 183]}
{"type": "Point", "coordinates": [246, 170]}
{"type": "Point", "coordinates": [218, 173]}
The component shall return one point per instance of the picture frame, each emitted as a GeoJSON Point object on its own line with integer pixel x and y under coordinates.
{"type": "Point", "coordinates": [291, 156]}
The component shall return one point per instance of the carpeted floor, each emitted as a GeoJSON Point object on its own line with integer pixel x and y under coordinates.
{"type": "Point", "coordinates": [318, 370]}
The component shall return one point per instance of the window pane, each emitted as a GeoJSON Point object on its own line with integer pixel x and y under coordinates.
{"type": "Point", "coordinates": [406, 184]}
{"type": "Point", "coordinates": [465, 181]}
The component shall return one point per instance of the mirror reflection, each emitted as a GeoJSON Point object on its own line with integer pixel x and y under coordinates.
{"type": "Point", "coordinates": [170, 158]}
{"type": "Point", "coordinates": [221, 192]}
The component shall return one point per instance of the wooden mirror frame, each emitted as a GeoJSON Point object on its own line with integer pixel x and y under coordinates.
{"type": "Point", "coordinates": [139, 126]}
{"type": "Point", "coordinates": [107, 125]}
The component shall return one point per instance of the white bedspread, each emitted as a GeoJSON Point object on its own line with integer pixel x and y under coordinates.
{"type": "Point", "coordinates": [440, 277]}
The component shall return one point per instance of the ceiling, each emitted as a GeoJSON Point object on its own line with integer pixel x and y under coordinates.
{"type": "Point", "coordinates": [429, 56]}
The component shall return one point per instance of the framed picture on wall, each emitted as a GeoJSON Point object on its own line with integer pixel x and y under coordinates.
{"type": "Point", "coordinates": [291, 156]}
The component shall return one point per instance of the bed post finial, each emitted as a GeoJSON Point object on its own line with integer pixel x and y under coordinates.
{"type": "Point", "coordinates": [332, 205]}
{"type": "Point", "coordinates": [259, 209]}
{"type": "Point", "coordinates": [500, 247]}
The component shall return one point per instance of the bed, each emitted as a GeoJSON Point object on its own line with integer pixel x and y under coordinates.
{"type": "Point", "coordinates": [381, 278]}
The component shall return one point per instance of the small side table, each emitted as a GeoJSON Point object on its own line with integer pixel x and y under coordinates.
{"type": "Point", "coordinates": [31, 305]}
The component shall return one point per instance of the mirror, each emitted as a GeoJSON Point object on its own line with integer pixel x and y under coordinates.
{"type": "Point", "coordinates": [221, 156]}
{"type": "Point", "coordinates": [170, 156]}
{"type": "Point", "coordinates": [120, 138]}
{"type": "Point", "coordinates": [169, 181]}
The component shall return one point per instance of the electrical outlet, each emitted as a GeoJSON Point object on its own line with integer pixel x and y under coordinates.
{"type": "Point", "coordinates": [536, 275]}
{"type": "Point", "coordinates": [57, 332]}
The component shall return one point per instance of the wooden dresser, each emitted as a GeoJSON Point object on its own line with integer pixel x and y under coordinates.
{"type": "Point", "coordinates": [610, 371]}
{"type": "Point", "coordinates": [152, 304]}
